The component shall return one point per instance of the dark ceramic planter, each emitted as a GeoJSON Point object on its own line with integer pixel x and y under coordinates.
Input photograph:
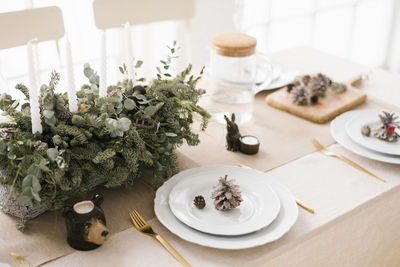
{"type": "Point", "coordinates": [86, 224]}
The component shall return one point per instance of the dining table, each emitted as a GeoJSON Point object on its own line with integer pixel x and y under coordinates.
{"type": "Point", "coordinates": [355, 221]}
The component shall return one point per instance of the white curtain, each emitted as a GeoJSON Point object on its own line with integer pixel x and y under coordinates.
{"type": "Point", "coordinates": [365, 31]}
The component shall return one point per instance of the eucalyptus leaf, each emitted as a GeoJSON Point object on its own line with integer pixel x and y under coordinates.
{"type": "Point", "coordinates": [52, 153]}
{"type": "Point", "coordinates": [34, 170]}
{"type": "Point", "coordinates": [87, 71]}
{"type": "Point", "coordinates": [94, 78]}
{"type": "Point", "coordinates": [35, 195]}
{"type": "Point", "coordinates": [3, 148]}
{"type": "Point", "coordinates": [35, 184]}
{"type": "Point", "coordinates": [139, 63]}
{"type": "Point", "coordinates": [129, 104]}
{"type": "Point", "coordinates": [44, 168]}
{"type": "Point", "coordinates": [48, 114]}
{"type": "Point", "coordinates": [111, 123]}
{"type": "Point", "coordinates": [151, 110]}
{"type": "Point", "coordinates": [27, 181]}
{"type": "Point", "coordinates": [124, 124]}
{"type": "Point", "coordinates": [51, 121]}
{"type": "Point", "coordinates": [121, 70]}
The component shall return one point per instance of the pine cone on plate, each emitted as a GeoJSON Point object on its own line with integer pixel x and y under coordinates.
{"type": "Point", "coordinates": [387, 130]}
{"type": "Point", "coordinates": [226, 195]}
{"type": "Point", "coordinates": [199, 202]}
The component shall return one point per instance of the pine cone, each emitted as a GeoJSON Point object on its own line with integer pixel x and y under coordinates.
{"type": "Point", "coordinates": [299, 95]}
{"type": "Point", "coordinates": [199, 202]}
{"type": "Point", "coordinates": [66, 116]}
{"type": "Point", "coordinates": [226, 195]}
{"type": "Point", "coordinates": [387, 131]}
{"type": "Point", "coordinates": [318, 84]}
{"type": "Point", "coordinates": [366, 130]}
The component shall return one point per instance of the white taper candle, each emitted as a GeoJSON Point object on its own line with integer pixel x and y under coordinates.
{"type": "Point", "coordinates": [103, 66]}
{"type": "Point", "coordinates": [129, 53]}
{"type": "Point", "coordinates": [72, 100]}
{"type": "Point", "coordinates": [33, 91]}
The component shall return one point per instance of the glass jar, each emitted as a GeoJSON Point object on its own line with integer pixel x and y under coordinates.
{"type": "Point", "coordinates": [234, 69]}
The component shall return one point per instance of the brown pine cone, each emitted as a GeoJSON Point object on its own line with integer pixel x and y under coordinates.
{"type": "Point", "coordinates": [299, 95]}
{"type": "Point", "coordinates": [318, 84]}
{"type": "Point", "coordinates": [66, 116]}
{"type": "Point", "coordinates": [199, 202]}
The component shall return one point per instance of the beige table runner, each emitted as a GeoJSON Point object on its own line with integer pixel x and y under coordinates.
{"type": "Point", "coordinates": [356, 224]}
{"type": "Point", "coordinates": [283, 138]}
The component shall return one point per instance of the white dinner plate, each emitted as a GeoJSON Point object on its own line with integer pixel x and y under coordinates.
{"type": "Point", "coordinates": [286, 218]}
{"type": "Point", "coordinates": [338, 133]}
{"type": "Point", "coordinates": [259, 207]}
{"type": "Point", "coordinates": [371, 118]}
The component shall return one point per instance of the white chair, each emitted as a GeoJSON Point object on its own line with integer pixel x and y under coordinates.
{"type": "Point", "coordinates": [114, 13]}
{"type": "Point", "coordinates": [19, 27]}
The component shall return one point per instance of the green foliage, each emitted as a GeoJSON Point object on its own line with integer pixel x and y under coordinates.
{"type": "Point", "coordinates": [21, 225]}
{"type": "Point", "coordinates": [107, 139]}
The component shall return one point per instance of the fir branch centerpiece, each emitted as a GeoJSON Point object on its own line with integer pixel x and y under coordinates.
{"type": "Point", "coordinates": [108, 141]}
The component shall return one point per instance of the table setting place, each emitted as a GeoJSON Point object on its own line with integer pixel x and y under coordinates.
{"type": "Point", "coordinates": [82, 167]}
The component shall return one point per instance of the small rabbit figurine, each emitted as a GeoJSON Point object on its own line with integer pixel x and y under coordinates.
{"type": "Point", "coordinates": [233, 135]}
{"type": "Point", "coordinates": [86, 224]}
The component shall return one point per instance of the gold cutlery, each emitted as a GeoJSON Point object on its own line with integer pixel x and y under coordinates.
{"type": "Point", "coordinates": [298, 202]}
{"type": "Point", "coordinates": [21, 261]}
{"type": "Point", "coordinates": [327, 152]}
{"type": "Point", "coordinates": [142, 226]}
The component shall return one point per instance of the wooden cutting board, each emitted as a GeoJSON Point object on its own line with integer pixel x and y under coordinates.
{"type": "Point", "coordinates": [326, 109]}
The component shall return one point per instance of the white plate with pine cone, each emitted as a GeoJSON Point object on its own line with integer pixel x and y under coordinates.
{"type": "Point", "coordinates": [371, 118]}
{"type": "Point", "coordinates": [338, 133]}
{"type": "Point", "coordinates": [242, 204]}
{"type": "Point", "coordinates": [286, 218]}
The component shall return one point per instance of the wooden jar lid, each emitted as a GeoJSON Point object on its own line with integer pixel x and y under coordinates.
{"type": "Point", "coordinates": [234, 44]}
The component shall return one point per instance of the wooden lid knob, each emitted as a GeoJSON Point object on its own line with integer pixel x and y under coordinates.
{"type": "Point", "coordinates": [234, 44]}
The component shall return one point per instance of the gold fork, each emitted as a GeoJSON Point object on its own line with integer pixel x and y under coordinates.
{"type": "Point", "coordinates": [327, 152]}
{"type": "Point", "coordinates": [142, 226]}
{"type": "Point", "coordinates": [298, 202]}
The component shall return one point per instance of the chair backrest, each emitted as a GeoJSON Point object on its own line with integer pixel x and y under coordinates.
{"type": "Point", "coordinates": [113, 13]}
{"type": "Point", "coordinates": [18, 27]}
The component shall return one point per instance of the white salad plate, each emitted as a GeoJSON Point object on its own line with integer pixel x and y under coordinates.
{"type": "Point", "coordinates": [286, 218]}
{"type": "Point", "coordinates": [339, 133]}
{"type": "Point", "coordinates": [259, 207]}
{"type": "Point", "coordinates": [370, 118]}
